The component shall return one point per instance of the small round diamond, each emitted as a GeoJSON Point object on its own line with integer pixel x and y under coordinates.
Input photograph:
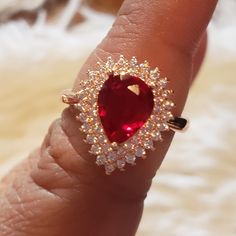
{"type": "Point", "coordinates": [167, 93]}
{"type": "Point", "coordinates": [130, 159]}
{"type": "Point", "coordinates": [90, 139]}
{"type": "Point", "coordinates": [140, 152]}
{"type": "Point", "coordinates": [95, 149]}
{"type": "Point", "coordinates": [133, 61]}
{"type": "Point", "coordinates": [120, 163]}
{"type": "Point", "coordinates": [157, 109]}
{"type": "Point", "coordinates": [114, 145]}
{"type": "Point", "coordinates": [162, 127]}
{"type": "Point", "coordinates": [98, 130]}
{"type": "Point", "coordinates": [128, 146]}
{"type": "Point", "coordinates": [102, 139]}
{"type": "Point", "coordinates": [149, 126]}
{"type": "Point", "coordinates": [156, 136]}
{"type": "Point", "coordinates": [109, 64]}
{"type": "Point", "coordinates": [121, 152]}
{"type": "Point", "coordinates": [168, 104]}
{"type": "Point", "coordinates": [112, 156]}
{"type": "Point", "coordinates": [82, 117]}
{"type": "Point", "coordinates": [167, 115]}
{"type": "Point", "coordinates": [92, 114]}
{"type": "Point", "coordinates": [79, 107]}
{"type": "Point", "coordinates": [100, 160]}
{"type": "Point", "coordinates": [109, 169]}
{"type": "Point", "coordinates": [106, 148]}
{"type": "Point", "coordinates": [148, 144]}
{"type": "Point", "coordinates": [136, 140]}
{"type": "Point", "coordinates": [85, 128]}
{"type": "Point", "coordinates": [154, 74]}
{"type": "Point", "coordinates": [163, 82]}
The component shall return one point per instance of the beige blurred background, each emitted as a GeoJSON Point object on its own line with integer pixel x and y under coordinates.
{"type": "Point", "coordinates": [42, 46]}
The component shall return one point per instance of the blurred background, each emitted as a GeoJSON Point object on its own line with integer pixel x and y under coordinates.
{"type": "Point", "coordinates": [43, 44]}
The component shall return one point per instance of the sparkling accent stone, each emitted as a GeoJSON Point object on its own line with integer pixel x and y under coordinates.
{"type": "Point", "coordinates": [128, 146]}
{"type": "Point", "coordinates": [133, 61]}
{"type": "Point", "coordinates": [154, 74]}
{"type": "Point", "coordinates": [157, 109]}
{"type": "Point", "coordinates": [140, 152]}
{"type": "Point", "coordinates": [90, 139]}
{"type": "Point", "coordinates": [130, 159]}
{"type": "Point", "coordinates": [101, 160]}
{"type": "Point", "coordinates": [95, 149]}
{"type": "Point", "coordinates": [106, 148]}
{"type": "Point", "coordinates": [168, 104]}
{"type": "Point", "coordinates": [102, 139]}
{"type": "Point", "coordinates": [144, 65]}
{"type": "Point", "coordinates": [123, 111]}
{"type": "Point", "coordinates": [120, 163]}
{"type": "Point", "coordinates": [148, 144]}
{"type": "Point", "coordinates": [167, 116]}
{"type": "Point", "coordinates": [163, 82]}
{"type": "Point", "coordinates": [109, 63]}
{"type": "Point", "coordinates": [85, 128]}
{"type": "Point", "coordinates": [162, 127]}
{"type": "Point", "coordinates": [136, 140]}
{"type": "Point", "coordinates": [82, 117]}
{"type": "Point", "coordinates": [98, 129]}
{"type": "Point", "coordinates": [109, 169]}
{"type": "Point", "coordinates": [149, 126]}
{"type": "Point", "coordinates": [121, 61]}
{"type": "Point", "coordinates": [112, 156]}
{"type": "Point", "coordinates": [156, 136]}
{"type": "Point", "coordinates": [114, 145]}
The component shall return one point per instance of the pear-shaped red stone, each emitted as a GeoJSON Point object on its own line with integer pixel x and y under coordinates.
{"type": "Point", "coordinates": [124, 105]}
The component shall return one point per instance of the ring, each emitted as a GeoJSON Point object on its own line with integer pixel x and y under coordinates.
{"type": "Point", "coordinates": [123, 108]}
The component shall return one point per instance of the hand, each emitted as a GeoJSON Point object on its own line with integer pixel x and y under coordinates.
{"type": "Point", "coordinates": [59, 190]}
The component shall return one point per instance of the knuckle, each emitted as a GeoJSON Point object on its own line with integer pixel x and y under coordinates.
{"type": "Point", "coordinates": [50, 172]}
{"type": "Point", "coordinates": [61, 168]}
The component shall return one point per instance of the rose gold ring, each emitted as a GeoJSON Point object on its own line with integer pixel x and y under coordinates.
{"type": "Point", "coordinates": [123, 108]}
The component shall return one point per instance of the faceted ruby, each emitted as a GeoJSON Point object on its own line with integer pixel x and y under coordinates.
{"type": "Point", "coordinates": [124, 105]}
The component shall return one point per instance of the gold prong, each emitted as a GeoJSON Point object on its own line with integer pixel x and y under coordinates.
{"type": "Point", "coordinates": [69, 97]}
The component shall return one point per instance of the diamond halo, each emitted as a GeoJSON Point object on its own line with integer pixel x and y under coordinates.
{"type": "Point", "coordinates": [113, 155]}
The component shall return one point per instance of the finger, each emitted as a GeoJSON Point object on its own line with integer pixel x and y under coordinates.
{"type": "Point", "coordinates": [199, 55]}
{"type": "Point", "coordinates": [156, 31]}
{"type": "Point", "coordinates": [167, 40]}
{"type": "Point", "coordinates": [68, 189]}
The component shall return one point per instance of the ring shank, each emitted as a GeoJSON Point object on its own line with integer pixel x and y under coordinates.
{"type": "Point", "coordinates": [178, 124]}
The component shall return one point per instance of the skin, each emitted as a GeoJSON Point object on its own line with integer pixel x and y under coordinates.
{"type": "Point", "coordinates": [59, 190]}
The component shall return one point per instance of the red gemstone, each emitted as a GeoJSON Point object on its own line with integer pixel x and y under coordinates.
{"type": "Point", "coordinates": [124, 105]}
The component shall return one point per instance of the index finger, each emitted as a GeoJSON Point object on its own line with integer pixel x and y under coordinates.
{"type": "Point", "coordinates": [165, 33]}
